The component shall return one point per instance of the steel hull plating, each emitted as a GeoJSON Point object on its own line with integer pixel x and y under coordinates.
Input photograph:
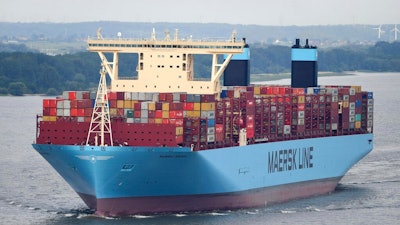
{"type": "Point", "coordinates": [136, 180]}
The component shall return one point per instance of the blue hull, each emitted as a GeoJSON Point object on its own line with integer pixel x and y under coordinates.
{"type": "Point", "coordinates": [129, 180]}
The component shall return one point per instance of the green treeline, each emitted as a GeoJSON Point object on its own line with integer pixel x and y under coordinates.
{"type": "Point", "coordinates": [35, 73]}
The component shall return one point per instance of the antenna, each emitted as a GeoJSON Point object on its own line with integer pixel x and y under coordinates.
{"type": "Point", "coordinates": [380, 31]}
{"type": "Point", "coordinates": [395, 30]}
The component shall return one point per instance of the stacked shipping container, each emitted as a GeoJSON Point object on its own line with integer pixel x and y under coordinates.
{"type": "Point", "coordinates": [265, 113]}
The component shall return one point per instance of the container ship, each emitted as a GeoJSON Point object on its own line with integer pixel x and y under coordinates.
{"type": "Point", "coordinates": [162, 140]}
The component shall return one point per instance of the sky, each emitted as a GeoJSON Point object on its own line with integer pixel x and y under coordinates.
{"type": "Point", "coordinates": [257, 12]}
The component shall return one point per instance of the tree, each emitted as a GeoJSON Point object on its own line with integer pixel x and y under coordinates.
{"type": "Point", "coordinates": [17, 88]}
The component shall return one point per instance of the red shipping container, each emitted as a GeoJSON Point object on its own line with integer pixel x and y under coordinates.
{"type": "Point", "coordinates": [219, 128]}
{"type": "Point", "coordinates": [159, 105]}
{"type": "Point", "coordinates": [71, 95]}
{"type": "Point", "coordinates": [46, 111]}
{"type": "Point", "coordinates": [113, 103]}
{"type": "Point", "coordinates": [183, 97]}
{"type": "Point", "coordinates": [88, 112]}
{"type": "Point", "coordinates": [158, 113]}
{"type": "Point", "coordinates": [136, 114]}
{"type": "Point", "coordinates": [112, 96]}
{"type": "Point", "coordinates": [86, 95]}
{"type": "Point", "coordinates": [73, 112]}
{"type": "Point", "coordinates": [137, 106]}
{"type": "Point", "coordinates": [169, 97]}
{"type": "Point", "coordinates": [74, 104]}
{"type": "Point", "coordinates": [250, 133]}
{"type": "Point", "coordinates": [189, 106]}
{"type": "Point", "coordinates": [152, 114]}
{"type": "Point", "coordinates": [165, 121]}
{"type": "Point", "coordinates": [179, 122]}
{"type": "Point", "coordinates": [53, 111]}
{"type": "Point", "coordinates": [179, 139]}
{"type": "Point", "coordinates": [80, 112]}
{"type": "Point", "coordinates": [120, 95]}
{"type": "Point", "coordinates": [176, 106]}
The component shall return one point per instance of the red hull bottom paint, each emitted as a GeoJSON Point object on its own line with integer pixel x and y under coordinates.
{"type": "Point", "coordinates": [194, 203]}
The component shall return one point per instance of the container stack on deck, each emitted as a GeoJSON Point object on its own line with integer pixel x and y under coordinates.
{"type": "Point", "coordinates": [267, 113]}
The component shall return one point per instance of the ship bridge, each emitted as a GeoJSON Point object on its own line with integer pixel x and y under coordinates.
{"type": "Point", "coordinates": [165, 65]}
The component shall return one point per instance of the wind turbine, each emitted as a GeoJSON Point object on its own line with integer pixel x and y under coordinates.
{"type": "Point", "coordinates": [380, 31]}
{"type": "Point", "coordinates": [395, 30]}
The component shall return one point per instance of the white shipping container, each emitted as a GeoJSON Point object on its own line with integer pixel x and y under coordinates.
{"type": "Point", "coordinates": [352, 119]}
{"type": "Point", "coordinates": [142, 96]}
{"type": "Point", "coordinates": [286, 129]}
{"type": "Point", "coordinates": [60, 112]}
{"type": "Point", "coordinates": [370, 123]}
{"type": "Point", "coordinates": [352, 91]}
{"type": "Point", "coordinates": [144, 105]}
{"type": "Point", "coordinates": [135, 96]}
{"type": "Point", "coordinates": [176, 96]}
{"type": "Point", "coordinates": [67, 104]}
{"type": "Point", "coordinates": [128, 96]}
{"type": "Point", "coordinates": [211, 130]}
{"type": "Point", "coordinates": [81, 119]}
{"type": "Point", "coordinates": [149, 96]}
{"type": "Point", "coordinates": [300, 122]}
{"type": "Point", "coordinates": [67, 112]}
{"type": "Point", "coordinates": [65, 94]}
{"type": "Point", "coordinates": [210, 138]}
{"type": "Point", "coordinates": [300, 114]}
{"type": "Point", "coordinates": [60, 104]}
{"type": "Point", "coordinates": [129, 120]}
{"type": "Point", "coordinates": [334, 126]}
{"type": "Point", "coordinates": [155, 97]}
{"type": "Point", "coordinates": [370, 101]}
{"type": "Point", "coordinates": [352, 112]}
{"type": "Point", "coordinates": [352, 105]}
{"type": "Point", "coordinates": [144, 113]}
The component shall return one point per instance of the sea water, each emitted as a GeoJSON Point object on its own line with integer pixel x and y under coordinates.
{"type": "Point", "coordinates": [31, 192]}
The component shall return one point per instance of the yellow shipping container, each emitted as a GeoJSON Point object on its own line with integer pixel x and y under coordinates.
{"type": "Point", "coordinates": [179, 130]}
{"type": "Point", "coordinates": [301, 99]}
{"type": "Point", "coordinates": [49, 118]}
{"type": "Point", "coordinates": [165, 114]}
{"type": "Point", "coordinates": [120, 104]}
{"type": "Point", "coordinates": [358, 124]}
{"type": "Point", "coordinates": [158, 120]}
{"type": "Point", "coordinates": [197, 106]}
{"type": "Point", "coordinates": [152, 106]}
{"type": "Point", "coordinates": [257, 90]}
{"type": "Point", "coordinates": [113, 112]}
{"type": "Point", "coordinates": [127, 104]}
{"type": "Point", "coordinates": [346, 104]}
{"type": "Point", "coordinates": [165, 107]}
{"type": "Point", "coordinates": [193, 114]}
{"type": "Point", "coordinates": [207, 106]}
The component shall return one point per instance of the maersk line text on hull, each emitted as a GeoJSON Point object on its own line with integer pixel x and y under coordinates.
{"type": "Point", "coordinates": [290, 159]}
